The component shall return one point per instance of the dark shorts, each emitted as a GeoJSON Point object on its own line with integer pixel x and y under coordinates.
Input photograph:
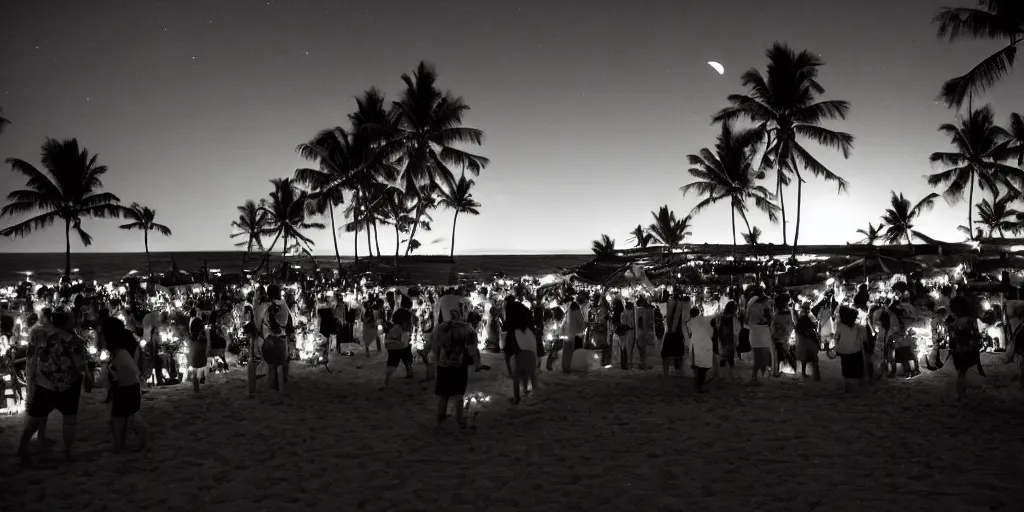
{"type": "Point", "coordinates": [577, 343]}
{"type": "Point", "coordinates": [44, 401]}
{"type": "Point", "coordinates": [963, 361]}
{"type": "Point", "coordinates": [673, 346]}
{"type": "Point", "coordinates": [852, 365]}
{"type": "Point", "coordinates": [451, 381]}
{"type": "Point", "coordinates": [126, 401]}
{"type": "Point", "coordinates": [402, 355]}
{"type": "Point", "coordinates": [904, 354]}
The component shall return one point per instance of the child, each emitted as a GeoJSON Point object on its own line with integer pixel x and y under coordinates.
{"type": "Point", "coordinates": [398, 344]}
{"type": "Point", "coordinates": [427, 331]}
{"type": "Point", "coordinates": [126, 391]}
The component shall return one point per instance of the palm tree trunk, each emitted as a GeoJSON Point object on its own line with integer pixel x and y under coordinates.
{"type": "Point", "coordinates": [284, 257]}
{"type": "Point", "coordinates": [799, 199]}
{"type": "Point", "coordinates": [455, 221]}
{"type": "Point", "coordinates": [733, 211]}
{"type": "Point", "coordinates": [376, 239]}
{"type": "Point", "coordinates": [398, 243]}
{"type": "Point", "coordinates": [369, 248]}
{"type": "Point", "coordinates": [782, 206]}
{"type": "Point", "coordinates": [266, 254]}
{"type": "Point", "coordinates": [334, 233]}
{"type": "Point", "coordinates": [355, 220]}
{"type": "Point", "coordinates": [145, 238]}
{"type": "Point", "coordinates": [67, 249]}
{"type": "Point", "coordinates": [970, 208]}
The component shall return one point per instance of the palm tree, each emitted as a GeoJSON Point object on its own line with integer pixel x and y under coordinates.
{"type": "Point", "coordinates": [753, 237]}
{"type": "Point", "coordinates": [784, 107]}
{"type": "Point", "coordinates": [331, 150]}
{"type": "Point", "coordinates": [459, 199]}
{"type": "Point", "coordinates": [375, 154]}
{"type": "Point", "coordinates": [978, 233]}
{"type": "Point", "coordinates": [286, 212]}
{"type": "Point", "coordinates": [900, 217]}
{"type": "Point", "coordinates": [604, 248]}
{"type": "Point", "coordinates": [251, 222]}
{"type": "Point", "coordinates": [142, 218]}
{"type": "Point", "coordinates": [977, 140]}
{"type": "Point", "coordinates": [641, 237]}
{"type": "Point", "coordinates": [3, 120]}
{"type": "Point", "coordinates": [667, 230]}
{"type": "Point", "coordinates": [998, 216]}
{"type": "Point", "coordinates": [1013, 147]}
{"type": "Point", "coordinates": [999, 20]}
{"type": "Point", "coordinates": [872, 234]}
{"type": "Point", "coordinates": [729, 172]}
{"type": "Point", "coordinates": [69, 190]}
{"type": "Point", "coordinates": [429, 126]}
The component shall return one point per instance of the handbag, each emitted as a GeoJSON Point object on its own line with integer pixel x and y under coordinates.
{"type": "Point", "coordinates": [275, 350]}
{"type": "Point", "coordinates": [744, 344]}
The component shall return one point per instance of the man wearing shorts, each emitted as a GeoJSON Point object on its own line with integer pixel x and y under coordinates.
{"type": "Point", "coordinates": [54, 370]}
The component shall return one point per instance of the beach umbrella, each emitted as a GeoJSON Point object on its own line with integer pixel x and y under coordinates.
{"type": "Point", "coordinates": [879, 265]}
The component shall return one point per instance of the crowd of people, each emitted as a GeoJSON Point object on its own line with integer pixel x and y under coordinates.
{"type": "Point", "coordinates": [128, 342]}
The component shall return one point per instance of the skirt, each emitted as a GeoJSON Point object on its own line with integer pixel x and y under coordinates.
{"type": "Point", "coordinates": [904, 354]}
{"type": "Point", "coordinates": [451, 381]}
{"type": "Point", "coordinates": [852, 365]}
{"type": "Point", "coordinates": [126, 401]}
{"type": "Point", "coordinates": [526, 361]}
{"type": "Point", "coordinates": [806, 349]}
{"type": "Point", "coordinates": [197, 355]}
{"type": "Point", "coordinates": [673, 346]}
{"type": "Point", "coordinates": [963, 361]}
{"type": "Point", "coordinates": [762, 358]}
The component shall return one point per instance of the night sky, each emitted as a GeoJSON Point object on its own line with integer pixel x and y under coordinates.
{"type": "Point", "coordinates": [589, 107]}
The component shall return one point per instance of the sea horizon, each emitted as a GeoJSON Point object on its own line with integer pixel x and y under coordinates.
{"type": "Point", "coordinates": [47, 267]}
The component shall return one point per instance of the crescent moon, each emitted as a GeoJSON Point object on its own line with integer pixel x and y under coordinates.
{"type": "Point", "coordinates": [718, 67]}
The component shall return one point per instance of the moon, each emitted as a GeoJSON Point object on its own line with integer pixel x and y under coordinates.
{"type": "Point", "coordinates": [718, 67]}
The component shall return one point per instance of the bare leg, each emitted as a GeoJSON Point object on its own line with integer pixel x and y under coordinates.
{"type": "Point", "coordinates": [141, 430]}
{"type": "Point", "coordinates": [387, 376]}
{"type": "Point", "coordinates": [119, 428]}
{"type": "Point", "coordinates": [442, 408]}
{"type": "Point", "coordinates": [70, 426]}
{"type": "Point", "coordinates": [250, 373]}
{"type": "Point", "coordinates": [460, 406]}
{"type": "Point", "coordinates": [31, 427]}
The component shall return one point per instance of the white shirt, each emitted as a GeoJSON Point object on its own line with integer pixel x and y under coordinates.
{"type": "Point", "coordinates": [526, 340]}
{"type": "Point", "coordinates": [444, 306]}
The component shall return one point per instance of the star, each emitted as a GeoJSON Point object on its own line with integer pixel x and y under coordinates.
{"type": "Point", "coordinates": [307, 53]}
{"type": "Point", "coordinates": [193, 57]}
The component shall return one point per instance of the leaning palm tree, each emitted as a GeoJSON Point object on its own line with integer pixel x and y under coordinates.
{"type": "Point", "coordinates": [872, 234]}
{"type": "Point", "coordinates": [753, 237]}
{"type": "Point", "coordinates": [331, 150]}
{"type": "Point", "coordinates": [3, 120]}
{"type": "Point", "coordinates": [286, 212]}
{"type": "Point", "coordinates": [604, 248]}
{"type": "Point", "coordinates": [977, 140]}
{"type": "Point", "coordinates": [69, 190]}
{"type": "Point", "coordinates": [998, 20]}
{"type": "Point", "coordinates": [429, 128]}
{"type": "Point", "coordinates": [460, 200]}
{"type": "Point", "coordinates": [667, 230]}
{"type": "Point", "coordinates": [729, 173]}
{"type": "Point", "coordinates": [641, 237]}
{"type": "Point", "coordinates": [899, 218]}
{"type": "Point", "coordinates": [997, 216]}
{"type": "Point", "coordinates": [784, 108]}
{"type": "Point", "coordinates": [143, 218]}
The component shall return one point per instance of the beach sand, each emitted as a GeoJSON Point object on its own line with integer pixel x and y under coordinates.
{"type": "Point", "coordinates": [608, 440]}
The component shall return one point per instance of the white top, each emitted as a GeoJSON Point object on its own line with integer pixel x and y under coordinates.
{"type": "Point", "coordinates": [526, 340]}
{"type": "Point", "coordinates": [444, 306]}
{"type": "Point", "coordinates": [123, 369]}
{"type": "Point", "coordinates": [850, 340]}
{"type": "Point", "coordinates": [263, 322]}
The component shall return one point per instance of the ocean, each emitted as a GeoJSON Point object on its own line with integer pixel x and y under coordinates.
{"type": "Point", "coordinates": [105, 267]}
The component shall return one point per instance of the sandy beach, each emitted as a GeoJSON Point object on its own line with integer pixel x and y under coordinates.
{"type": "Point", "coordinates": [608, 440]}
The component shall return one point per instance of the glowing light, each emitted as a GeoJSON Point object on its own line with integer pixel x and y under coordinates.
{"type": "Point", "coordinates": [717, 67]}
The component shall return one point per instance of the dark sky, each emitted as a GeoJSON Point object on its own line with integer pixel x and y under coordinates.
{"type": "Point", "coordinates": [589, 106]}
